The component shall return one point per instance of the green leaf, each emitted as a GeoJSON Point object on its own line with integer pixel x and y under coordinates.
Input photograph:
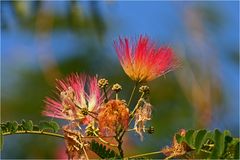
{"type": "Point", "coordinates": [27, 125]}
{"type": "Point", "coordinates": [102, 151]}
{"type": "Point", "coordinates": [218, 144]}
{"type": "Point", "coordinates": [190, 138]}
{"type": "Point", "coordinates": [55, 126]}
{"type": "Point", "coordinates": [227, 133]}
{"type": "Point", "coordinates": [200, 139]}
{"type": "Point", "coordinates": [36, 127]}
{"type": "Point", "coordinates": [52, 125]}
{"type": "Point", "coordinates": [3, 127]}
{"type": "Point", "coordinates": [112, 154]}
{"type": "Point", "coordinates": [45, 125]}
{"type": "Point", "coordinates": [210, 135]}
{"type": "Point", "coordinates": [236, 154]}
{"type": "Point", "coordinates": [8, 126]}
{"type": "Point", "coordinates": [213, 145]}
{"type": "Point", "coordinates": [179, 138]}
{"type": "Point", "coordinates": [14, 127]}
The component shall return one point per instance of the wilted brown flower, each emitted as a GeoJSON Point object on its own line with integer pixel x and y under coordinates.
{"type": "Point", "coordinates": [113, 116]}
{"type": "Point", "coordinates": [74, 143]}
{"type": "Point", "coordinates": [142, 115]}
{"type": "Point", "coordinates": [177, 149]}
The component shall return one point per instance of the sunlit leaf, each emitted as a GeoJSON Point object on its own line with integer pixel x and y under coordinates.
{"type": "Point", "coordinates": [200, 139]}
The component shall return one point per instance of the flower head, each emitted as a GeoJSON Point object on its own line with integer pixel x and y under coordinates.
{"type": "Point", "coordinates": [78, 96]}
{"type": "Point", "coordinates": [113, 115]}
{"type": "Point", "coordinates": [142, 115]}
{"type": "Point", "coordinates": [143, 61]}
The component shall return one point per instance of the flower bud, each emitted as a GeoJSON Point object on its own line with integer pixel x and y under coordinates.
{"type": "Point", "coordinates": [117, 87]}
{"type": "Point", "coordinates": [150, 130]}
{"type": "Point", "coordinates": [102, 83]}
{"type": "Point", "coordinates": [144, 89]}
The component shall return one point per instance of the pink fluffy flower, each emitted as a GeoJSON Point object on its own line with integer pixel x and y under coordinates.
{"type": "Point", "coordinates": [143, 61]}
{"type": "Point", "coordinates": [79, 98]}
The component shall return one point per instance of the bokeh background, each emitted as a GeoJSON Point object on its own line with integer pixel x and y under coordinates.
{"type": "Point", "coordinates": [43, 40]}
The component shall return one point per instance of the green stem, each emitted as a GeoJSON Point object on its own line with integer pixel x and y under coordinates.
{"type": "Point", "coordinates": [119, 140]}
{"type": "Point", "coordinates": [105, 93]}
{"type": "Point", "coordinates": [205, 151]}
{"type": "Point", "coordinates": [169, 157]}
{"type": "Point", "coordinates": [102, 140]}
{"type": "Point", "coordinates": [145, 154]}
{"type": "Point", "coordinates": [129, 130]}
{"type": "Point", "coordinates": [120, 148]}
{"type": "Point", "coordinates": [34, 132]}
{"type": "Point", "coordinates": [136, 107]}
{"type": "Point", "coordinates": [157, 152]}
{"type": "Point", "coordinates": [133, 91]}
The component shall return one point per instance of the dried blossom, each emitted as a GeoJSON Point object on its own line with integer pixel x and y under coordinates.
{"type": "Point", "coordinates": [177, 149]}
{"type": "Point", "coordinates": [78, 97]}
{"type": "Point", "coordinates": [143, 61]}
{"type": "Point", "coordinates": [113, 116]}
{"type": "Point", "coordinates": [142, 115]}
{"type": "Point", "coordinates": [74, 143]}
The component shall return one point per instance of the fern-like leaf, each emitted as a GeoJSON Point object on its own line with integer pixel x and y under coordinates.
{"type": "Point", "coordinates": [8, 127]}
{"type": "Point", "coordinates": [102, 151]}
{"type": "Point", "coordinates": [215, 144]}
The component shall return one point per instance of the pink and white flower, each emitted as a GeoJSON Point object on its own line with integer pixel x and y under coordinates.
{"type": "Point", "coordinates": [77, 94]}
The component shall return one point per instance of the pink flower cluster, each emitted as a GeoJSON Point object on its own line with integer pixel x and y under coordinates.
{"type": "Point", "coordinates": [77, 94]}
{"type": "Point", "coordinates": [143, 61]}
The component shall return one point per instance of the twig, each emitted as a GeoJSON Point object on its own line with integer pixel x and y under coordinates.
{"type": "Point", "coordinates": [85, 153]}
{"type": "Point", "coordinates": [133, 91]}
{"type": "Point", "coordinates": [105, 93]}
{"type": "Point", "coordinates": [119, 140]}
{"type": "Point", "coordinates": [136, 107]}
{"type": "Point", "coordinates": [129, 130]}
{"type": "Point", "coordinates": [102, 140]}
{"type": "Point", "coordinates": [34, 132]}
{"type": "Point", "coordinates": [145, 154]}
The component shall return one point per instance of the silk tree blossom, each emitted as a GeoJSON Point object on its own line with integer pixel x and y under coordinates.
{"type": "Point", "coordinates": [143, 61]}
{"type": "Point", "coordinates": [114, 115]}
{"type": "Point", "coordinates": [79, 98]}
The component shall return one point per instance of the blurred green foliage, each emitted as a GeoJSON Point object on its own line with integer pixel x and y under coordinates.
{"type": "Point", "coordinates": [35, 14]}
